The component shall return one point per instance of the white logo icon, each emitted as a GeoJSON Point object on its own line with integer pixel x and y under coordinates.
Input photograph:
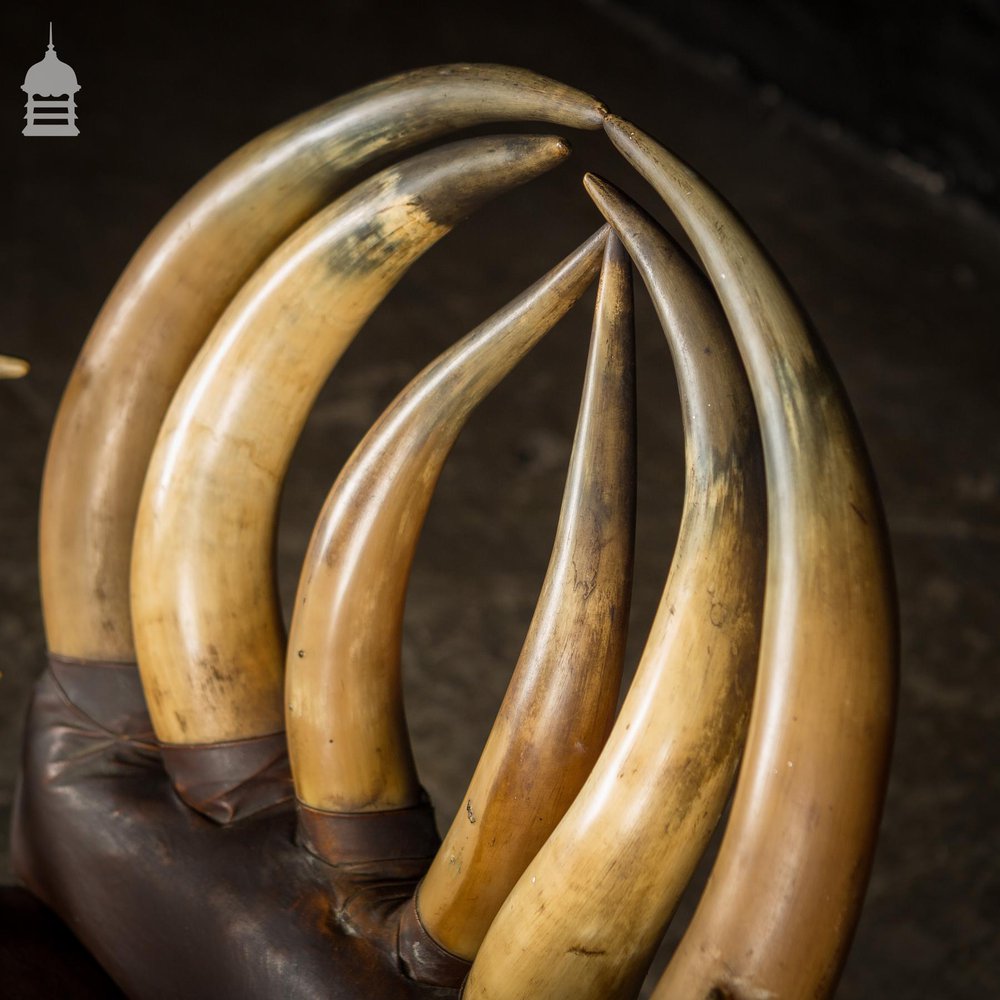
{"type": "Point", "coordinates": [50, 86]}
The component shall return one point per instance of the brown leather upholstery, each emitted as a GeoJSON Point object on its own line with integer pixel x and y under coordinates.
{"type": "Point", "coordinates": [171, 903]}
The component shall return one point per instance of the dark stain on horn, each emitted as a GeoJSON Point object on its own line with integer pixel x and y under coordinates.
{"type": "Point", "coordinates": [448, 206]}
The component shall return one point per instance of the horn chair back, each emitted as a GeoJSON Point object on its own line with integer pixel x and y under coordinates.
{"type": "Point", "coordinates": [217, 808]}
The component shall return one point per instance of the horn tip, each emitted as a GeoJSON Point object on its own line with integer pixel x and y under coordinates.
{"type": "Point", "coordinates": [560, 147]}
{"type": "Point", "coordinates": [603, 193]}
{"type": "Point", "coordinates": [545, 150]}
{"type": "Point", "coordinates": [623, 134]}
{"type": "Point", "coordinates": [615, 254]}
{"type": "Point", "coordinates": [13, 367]}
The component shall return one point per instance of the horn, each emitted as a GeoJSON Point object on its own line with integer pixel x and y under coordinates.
{"type": "Point", "coordinates": [13, 367]}
{"type": "Point", "coordinates": [207, 619]}
{"type": "Point", "coordinates": [587, 914]}
{"type": "Point", "coordinates": [560, 704]}
{"type": "Point", "coordinates": [800, 837]}
{"type": "Point", "coordinates": [176, 287]}
{"type": "Point", "coordinates": [347, 735]}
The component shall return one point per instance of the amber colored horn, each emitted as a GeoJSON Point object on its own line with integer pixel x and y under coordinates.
{"type": "Point", "coordinates": [560, 704]}
{"type": "Point", "coordinates": [13, 367]}
{"type": "Point", "coordinates": [208, 628]}
{"type": "Point", "coordinates": [588, 912]}
{"type": "Point", "coordinates": [176, 287]}
{"type": "Point", "coordinates": [347, 734]}
{"type": "Point", "coordinates": [777, 916]}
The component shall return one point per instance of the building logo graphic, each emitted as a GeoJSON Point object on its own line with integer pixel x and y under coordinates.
{"type": "Point", "coordinates": [51, 87]}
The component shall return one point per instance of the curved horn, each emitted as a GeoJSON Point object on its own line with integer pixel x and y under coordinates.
{"type": "Point", "coordinates": [347, 735]}
{"type": "Point", "coordinates": [207, 620]}
{"type": "Point", "coordinates": [800, 838]}
{"type": "Point", "coordinates": [176, 287]}
{"type": "Point", "coordinates": [562, 697]}
{"type": "Point", "coordinates": [589, 911]}
{"type": "Point", "coordinates": [13, 367]}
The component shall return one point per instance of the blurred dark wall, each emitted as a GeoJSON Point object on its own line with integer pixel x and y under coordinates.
{"type": "Point", "coordinates": [918, 76]}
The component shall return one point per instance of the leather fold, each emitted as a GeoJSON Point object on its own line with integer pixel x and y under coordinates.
{"type": "Point", "coordinates": [350, 838]}
{"type": "Point", "coordinates": [422, 958]}
{"type": "Point", "coordinates": [109, 695]}
{"type": "Point", "coordinates": [170, 902]}
{"type": "Point", "coordinates": [230, 781]}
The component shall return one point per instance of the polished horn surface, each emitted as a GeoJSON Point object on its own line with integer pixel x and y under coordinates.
{"type": "Point", "coordinates": [770, 664]}
{"type": "Point", "coordinates": [590, 909]}
{"type": "Point", "coordinates": [349, 745]}
{"type": "Point", "coordinates": [801, 833]}
{"type": "Point", "coordinates": [561, 700]}
{"type": "Point", "coordinates": [208, 627]}
{"type": "Point", "coordinates": [178, 284]}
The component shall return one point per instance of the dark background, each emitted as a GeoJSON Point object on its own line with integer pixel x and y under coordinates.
{"type": "Point", "coordinates": [858, 140]}
{"type": "Point", "coordinates": [921, 77]}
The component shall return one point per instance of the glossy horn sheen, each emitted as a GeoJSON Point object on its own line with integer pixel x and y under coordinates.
{"type": "Point", "coordinates": [13, 367]}
{"type": "Point", "coordinates": [560, 704]}
{"type": "Point", "coordinates": [784, 895]}
{"type": "Point", "coordinates": [347, 736]}
{"type": "Point", "coordinates": [176, 287]}
{"type": "Point", "coordinates": [588, 912]}
{"type": "Point", "coordinates": [208, 626]}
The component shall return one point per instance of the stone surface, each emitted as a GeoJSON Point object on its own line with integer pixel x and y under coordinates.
{"type": "Point", "coordinates": [903, 288]}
